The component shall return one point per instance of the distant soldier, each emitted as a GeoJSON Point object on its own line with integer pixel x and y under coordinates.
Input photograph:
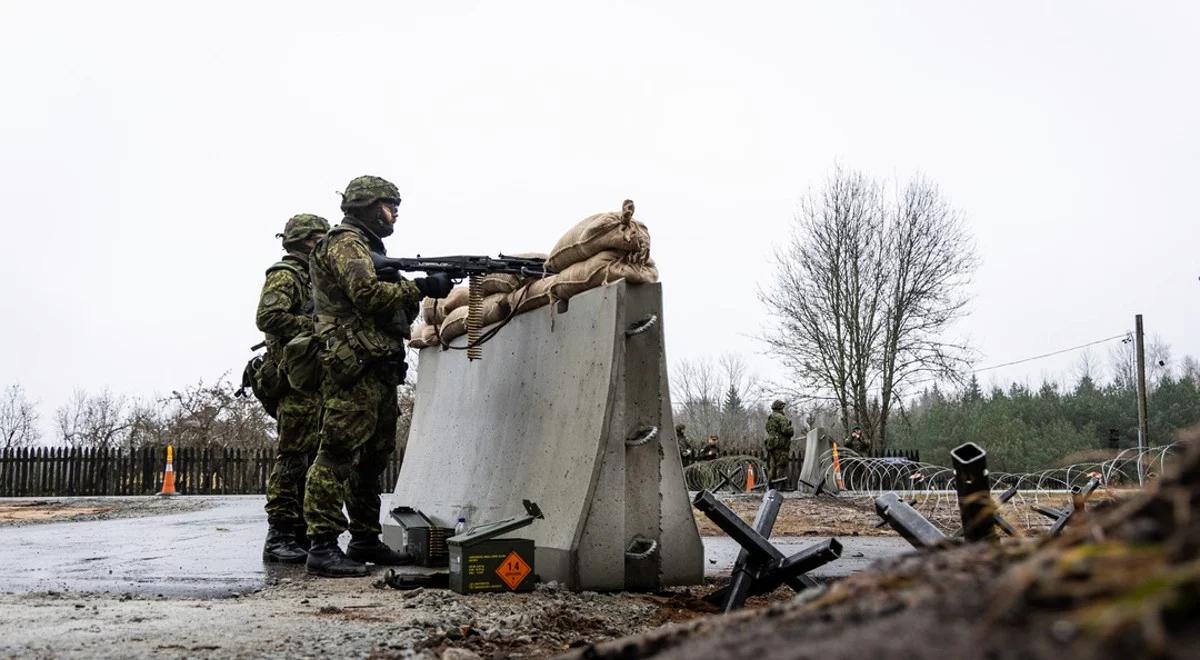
{"type": "Point", "coordinates": [362, 323]}
{"type": "Point", "coordinates": [856, 442]}
{"type": "Point", "coordinates": [711, 450]}
{"type": "Point", "coordinates": [685, 447]}
{"type": "Point", "coordinates": [285, 311]}
{"type": "Point", "coordinates": [779, 441]}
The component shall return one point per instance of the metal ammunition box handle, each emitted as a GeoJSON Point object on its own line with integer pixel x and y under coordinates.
{"type": "Point", "coordinates": [641, 326]}
{"type": "Point", "coordinates": [646, 435]}
{"type": "Point", "coordinates": [651, 546]}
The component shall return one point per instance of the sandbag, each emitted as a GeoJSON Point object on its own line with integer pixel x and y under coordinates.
{"type": "Point", "coordinates": [494, 309]}
{"type": "Point", "coordinates": [433, 311]}
{"type": "Point", "coordinates": [423, 336]}
{"type": "Point", "coordinates": [603, 268]}
{"type": "Point", "coordinates": [498, 283]}
{"type": "Point", "coordinates": [458, 297]}
{"type": "Point", "coordinates": [533, 295]}
{"type": "Point", "coordinates": [617, 232]}
{"type": "Point", "coordinates": [506, 282]}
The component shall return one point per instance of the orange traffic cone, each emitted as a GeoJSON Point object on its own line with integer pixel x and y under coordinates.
{"type": "Point", "coordinates": [749, 477]}
{"type": "Point", "coordinates": [169, 475]}
{"type": "Point", "coordinates": [837, 469]}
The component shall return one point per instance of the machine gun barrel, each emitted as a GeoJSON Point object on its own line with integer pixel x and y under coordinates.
{"type": "Point", "coordinates": [459, 267]}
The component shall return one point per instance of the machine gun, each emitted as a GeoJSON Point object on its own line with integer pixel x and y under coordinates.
{"type": "Point", "coordinates": [458, 268]}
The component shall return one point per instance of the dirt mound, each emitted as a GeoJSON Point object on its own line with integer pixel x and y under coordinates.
{"type": "Point", "coordinates": [1118, 584]}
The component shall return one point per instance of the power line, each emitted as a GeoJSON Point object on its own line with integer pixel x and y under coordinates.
{"type": "Point", "coordinates": [1123, 335]}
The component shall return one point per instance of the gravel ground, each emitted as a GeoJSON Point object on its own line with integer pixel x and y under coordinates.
{"type": "Point", "coordinates": [295, 615]}
{"type": "Point", "coordinates": [31, 511]}
{"type": "Point", "coordinates": [301, 616]}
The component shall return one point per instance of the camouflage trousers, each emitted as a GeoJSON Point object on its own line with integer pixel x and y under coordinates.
{"type": "Point", "coordinates": [298, 414]}
{"type": "Point", "coordinates": [357, 437]}
{"type": "Point", "coordinates": [777, 461]}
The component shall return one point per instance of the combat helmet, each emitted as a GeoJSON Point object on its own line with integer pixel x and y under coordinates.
{"type": "Point", "coordinates": [778, 405]}
{"type": "Point", "coordinates": [366, 190]}
{"type": "Point", "coordinates": [301, 226]}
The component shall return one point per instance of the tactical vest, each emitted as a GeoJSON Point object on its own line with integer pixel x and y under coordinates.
{"type": "Point", "coordinates": [333, 306]}
{"type": "Point", "coordinates": [304, 305]}
{"type": "Point", "coordinates": [352, 339]}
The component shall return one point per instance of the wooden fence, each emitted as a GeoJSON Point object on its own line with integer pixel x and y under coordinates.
{"type": "Point", "coordinates": [62, 471]}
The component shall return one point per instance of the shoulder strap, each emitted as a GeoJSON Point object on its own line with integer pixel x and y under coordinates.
{"type": "Point", "coordinates": [289, 266]}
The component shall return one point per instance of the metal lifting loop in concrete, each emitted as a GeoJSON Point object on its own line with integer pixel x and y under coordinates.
{"type": "Point", "coordinates": [632, 552]}
{"type": "Point", "coordinates": [642, 436]}
{"type": "Point", "coordinates": [641, 326]}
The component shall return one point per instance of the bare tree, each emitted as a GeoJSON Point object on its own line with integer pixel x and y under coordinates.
{"type": "Point", "coordinates": [93, 421]}
{"type": "Point", "coordinates": [696, 393]}
{"type": "Point", "coordinates": [720, 397]}
{"type": "Point", "coordinates": [864, 294]}
{"type": "Point", "coordinates": [1189, 369]}
{"type": "Point", "coordinates": [1087, 368]}
{"type": "Point", "coordinates": [203, 415]}
{"type": "Point", "coordinates": [930, 259]}
{"type": "Point", "coordinates": [1158, 361]}
{"type": "Point", "coordinates": [18, 419]}
{"type": "Point", "coordinates": [1123, 364]}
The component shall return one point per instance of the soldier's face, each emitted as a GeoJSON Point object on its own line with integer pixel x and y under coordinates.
{"type": "Point", "coordinates": [388, 211]}
{"type": "Point", "coordinates": [311, 243]}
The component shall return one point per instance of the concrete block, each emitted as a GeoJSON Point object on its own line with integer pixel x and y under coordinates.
{"type": "Point", "coordinates": [818, 459]}
{"type": "Point", "coordinates": [560, 411]}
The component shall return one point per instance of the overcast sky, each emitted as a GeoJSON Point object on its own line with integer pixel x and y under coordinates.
{"type": "Point", "coordinates": [150, 151]}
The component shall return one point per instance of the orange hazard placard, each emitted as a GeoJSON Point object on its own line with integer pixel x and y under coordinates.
{"type": "Point", "coordinates": [513, 570]}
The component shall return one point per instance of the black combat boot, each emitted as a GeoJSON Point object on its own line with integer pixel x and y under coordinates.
{"type": "Point", "coordinates": [302, 538]}
{"type": "Point", "coordinates": [325, 558]}
{"type": "Point", "coordinates": [281, 547]}
{"type": "Point", "coordinates": [368, 548]}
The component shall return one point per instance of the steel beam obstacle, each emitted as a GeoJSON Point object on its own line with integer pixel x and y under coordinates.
{"type": "Point", "coordinates": [760, 567]}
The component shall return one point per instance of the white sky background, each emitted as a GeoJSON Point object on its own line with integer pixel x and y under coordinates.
{"type": "Point", "coordinates": [149, 153]}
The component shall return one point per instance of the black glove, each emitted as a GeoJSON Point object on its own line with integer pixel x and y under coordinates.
{"type": "Point", "coordinates": [437, 285]}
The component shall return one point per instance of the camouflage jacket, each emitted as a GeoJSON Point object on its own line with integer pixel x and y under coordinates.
{"type": "Point", "coordinates": [779, 431]}
{"type": "Point", "coordinates": [285, 305]}
{"type": "Point", "coordinates": [347, 291]}
{"type": "Point", "coordinates": [858, 445]}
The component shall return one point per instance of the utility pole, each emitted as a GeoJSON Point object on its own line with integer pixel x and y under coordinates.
{"type": "Point", "coordinates": [1143, 426]}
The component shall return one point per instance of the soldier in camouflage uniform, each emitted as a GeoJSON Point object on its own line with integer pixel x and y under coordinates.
{"type": "Point", "coordinates": [285, 311]}
{"type": "Point", "coordinates": [779, 441]}
{"type": "Point", "coordinates": [857, 442]}
{"type": "Point", "coordinates": [362, 324]}
{"type": "Point", "coordinates": [685, 446]}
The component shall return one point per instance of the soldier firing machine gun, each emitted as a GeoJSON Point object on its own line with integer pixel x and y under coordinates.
{"type": "Point", "coordinates": [458, 268]}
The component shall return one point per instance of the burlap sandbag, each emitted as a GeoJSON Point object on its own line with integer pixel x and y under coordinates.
{"type": "Point", "coordinates": [506, 282]}
{"type": "Point", "coordinates": [457, 298]}
{"type": "Point", "coordinates": [603, 268]}
{"type": "Point", "coordinates": [495, 309]}
{"type": "Point", "coordinates": [423, 336]}
{"type": "Point", "coordinates": [433, 311]}
{"type": "Point", "coordinates": [498, 283]}
{"type": "Point", "coordinates": [532, 295]}
{"type": "Point", "coordinates": [617, 232]}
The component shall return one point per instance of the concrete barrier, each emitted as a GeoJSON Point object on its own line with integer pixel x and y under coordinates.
{"type": "Point", "coordinates": [817, 449]}
{"type": "Point", "coordinates": [569, 408]}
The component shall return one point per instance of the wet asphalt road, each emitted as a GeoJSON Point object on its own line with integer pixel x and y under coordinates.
{"type": "Point", "coordinates": [215, 552]}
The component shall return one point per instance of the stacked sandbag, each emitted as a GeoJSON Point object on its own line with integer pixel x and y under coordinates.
{"type": "Point", "coordinates": [453, 324]}
{"type": "Point", "coordinates": [423, 336]}
{"type": "Point", "coordinates": [599, 250]}
{"type": "Point", "coordinates": [615, 232]}
{"type": "Point", "coordinates": [600, 269]}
